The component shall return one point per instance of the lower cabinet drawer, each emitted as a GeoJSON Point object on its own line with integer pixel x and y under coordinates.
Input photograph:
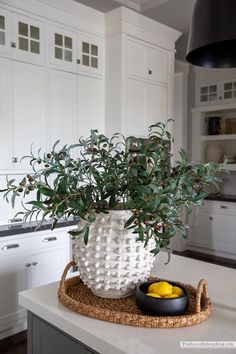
{"type": "Point", "coordinates": [50, 238]}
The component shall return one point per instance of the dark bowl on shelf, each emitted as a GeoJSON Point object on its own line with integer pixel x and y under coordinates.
{"type": "Point", "coordinates": [153, 306]}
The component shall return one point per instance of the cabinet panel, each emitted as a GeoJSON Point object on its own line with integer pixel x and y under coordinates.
{"type": "Point", "coordinates": [63, 108]}
{"type": "Point", "coordinates": [90, 105]}
{"type": "Point", "coordinates": [158, 104]}
{"type": "Point", "coordinates": [90, 54]}
{"type": "Point", "coordinates": [63, 48]}
{"type": "Point", "coordinates": [29, 110]}
{"type": "Point", "coordinates": [29, 38]}
{"type": "Point", "coordinates": [158, 62]}
{"type": "Point", "coordinates": [6, 139]}
{"type": "Point", "coordinates": [13, 279]}
{"type": "Point", "coordinates": [223, 233]}
{"type": "Point", "coordinates": [47, 267]}
{"type": "Point", "coordinates": [137, 59]}
{"type": "Point", "coordinates": [5, 31]}
{"type": "Point", "coordinates": [137, 108]}
{"type": "Point", "coordinates": [200, 231]}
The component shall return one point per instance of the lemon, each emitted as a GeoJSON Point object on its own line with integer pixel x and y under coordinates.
{"type": "Point", "coordinates": [171, 296]}
{"type": "Point", "coordinates": [154, 295]}
{"type": "Point", "coordinates": [177, 290]}
{"type": "Point", "coordinates": [161, 288]}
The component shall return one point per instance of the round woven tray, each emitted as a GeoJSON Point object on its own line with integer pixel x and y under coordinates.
{"type": "Point", "coordinates": [76, 296]}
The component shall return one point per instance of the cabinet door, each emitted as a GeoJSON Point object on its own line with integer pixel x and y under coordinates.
{"type": "Point", "coordinates": [5, 31]}
{"type": "Point", "coordinates": [6, 142]}
{"type": "Point", "coordinates": [228, 90]}
{"type": "Point", "coordinates": [13, 279]}
{"type": "Point", "coordinates": [200, 230]}
{"type": "Point", "coordinates": [47, 267]}
{"type": "Point", "coordinates": [158, 65]}
{"type": "Point", "coordinates": [137, 108]}
{"type": "Point", "coordinates": [29, 110]}
{"type": "Point", "coordinates": [29, 38]}
{"type": "Point", "coordinates": [157, 104]}
{"type": "Point", "coordinates": [137, 60]}
{"type": "Point", "coordinates": [63, 108]}
{"type": "Point", "coordinates": [209, 94]}
{"type": "Point", "coordinates": [90, 54]}
{"type": "Point", "coordinates": [223, 233]}
{"type": "Point", "coordinates": [90, 105]}
{"type": "Point", "coordinates": [63, 48]}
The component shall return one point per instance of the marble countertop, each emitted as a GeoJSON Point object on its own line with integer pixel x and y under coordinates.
{"type": "Point", "coordinates": [109, 338]}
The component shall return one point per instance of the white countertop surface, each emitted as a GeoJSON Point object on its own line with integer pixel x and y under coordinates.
{"type": "Point", "coordinates": [109, 338]}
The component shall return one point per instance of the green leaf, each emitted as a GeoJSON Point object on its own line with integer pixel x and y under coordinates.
{"type": "Point", "coordinates": [129, 221]}
{"type": "Point", "coordinates": [86, 235]}
{"type": "Point", "coordinates": [46, 191]}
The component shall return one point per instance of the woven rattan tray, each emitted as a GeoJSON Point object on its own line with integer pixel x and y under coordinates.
{"type": "Point", "coordinates": [77, 297]}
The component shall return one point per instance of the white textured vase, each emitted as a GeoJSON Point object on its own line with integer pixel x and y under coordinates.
{"type": "Point", "coordinates": [113, 262]}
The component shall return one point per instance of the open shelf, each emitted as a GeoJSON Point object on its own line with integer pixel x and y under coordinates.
{"type": "Point", "coordinates": [218, 137]}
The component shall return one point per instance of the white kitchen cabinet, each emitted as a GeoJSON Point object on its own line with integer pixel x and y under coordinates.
{"type": "Point", "coordinates": [137, 107]}
{"type": "Point", "coordinates": [217, 92]}
{"type": "Point", "coordinates": [63, 48]}
{"type": "Point", "coordinates": [46, 267]}
{"type": "Point", "coordinates": [29, 39]}
{"type": "Point", "coordinates": [5, 31]}
{"type": "Point", "coordinates": [213, 229]}
{"type": "Point", "coordinates": [90, 54]}
{"type": "Point", "coordinates": [147, 62]}
{"type": "Point", "coordinates": [13, 279]}
{"type": "Point", "coordinates": [90, 105]}
{"type": "Point", "coordinates": [157, 104]}
{"type": "Point", "coordinates": [6, 137]}
{"type": "Point", "coordinates": [27, 261]}
{"type": "Point", "coordinates": [29, 111]}
{"type": "Point", "coordinates": [147, 104]}
{"type": "Point", "coordinates": [63, 108]}
{"type": "Point", "coordinates": [139, 72]}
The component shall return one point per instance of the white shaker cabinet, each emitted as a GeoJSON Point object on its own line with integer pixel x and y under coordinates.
{"type": "Point", "coordinates": [26, 261]}
{"type": "Point", "coordinates": [90, 105]}
{"type": "Point", "coordinates": [6, 137]}
{"type": "Point", "coordinates": [63, 108]}
{"type": "Point", "coordinates": [90, 55]}
{"type": "Point", "coordinates": [29, 111]}
{"type": "Point", "coordinates": [13, 279]}
{"type": "Point", "coordinates": [157, 104]}
{"type": "Point", "coordinates": [46, 267]}
{"type": "Point", "coordinates": [212, 229]}
{"type": "Point", "coordinates": [5, 32]}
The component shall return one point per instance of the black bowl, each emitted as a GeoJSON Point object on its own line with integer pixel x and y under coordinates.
{"type": "Point", "coordinates": [153, 306]}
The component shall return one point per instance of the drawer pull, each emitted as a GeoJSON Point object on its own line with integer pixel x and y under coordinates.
{"type": "Point", "coordinates": [9, 247]}
{"type": "Point", "coordinates": [223, 207]}
{"type": "Point", "coordinates": [28, 265]}
{"type": "Point", "coordinates": [35, 263]}
{"type": "Point", "coordinates": [49, 239]}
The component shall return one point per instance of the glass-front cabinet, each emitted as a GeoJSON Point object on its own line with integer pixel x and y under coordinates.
{"type": "Point", "coordinates": [29, 38]}
{"type": "Point", "coordinates": [223, 91]}
{"type": "Point", "coordinates": [5, 31]}
{"type": "Point", "coordinates": [63, 48]}
{"type": "Point", "coordinates": [90, 53]}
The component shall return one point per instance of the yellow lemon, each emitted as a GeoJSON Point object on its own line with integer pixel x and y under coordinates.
{"type": "Point", "coordinates": [154, 295]}
{"type": "Point", "coordinates": [171, 296]}
{"type": "Point", "coordinates": [162, 288]}
{"type": "Point", "coordinates": [177, 290]}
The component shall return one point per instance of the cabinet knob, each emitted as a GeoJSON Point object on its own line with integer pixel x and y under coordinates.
{"type": "Point", "coordinates": [35, 263]}
{"type": "Point", "coordinates": [223, 207]}
{"type": "Point", "coordinates": [14, 159]}
{"type": "Point", "coordinates": [13, 44]}
{"type": "Point", "coordinates": [150, 72]}
{"type": "Point", "coordinates": [210, 218]}
{"type": "Point", "coordinates": [28, 265]}
{"type": "Point", "coordinates": [78, 61]}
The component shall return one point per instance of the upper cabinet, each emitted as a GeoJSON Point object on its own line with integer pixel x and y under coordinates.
{"type": "Point", "coordinates": [29, 39]}
{"type": "Point", "coordinates": [5, 31]}
{"type": "Point", "coordinates": [219, 92]}
{"type": "Point", "coordinates": [139, 72]}
{"type": "Point", "coordinates": [147, 62]}
{"type": "Point", "coordinates": [75, 52]}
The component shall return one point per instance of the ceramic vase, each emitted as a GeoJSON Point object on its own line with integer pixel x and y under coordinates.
{"type": "Point", "coordinates": [113, 262]}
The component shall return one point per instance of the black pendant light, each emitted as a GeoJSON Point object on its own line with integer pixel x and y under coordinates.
{"type": "Point", "coordinates": [212, 40]}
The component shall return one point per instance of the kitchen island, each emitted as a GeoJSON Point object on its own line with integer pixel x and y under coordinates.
{"type": "Point", "coordinates": [54, 329]}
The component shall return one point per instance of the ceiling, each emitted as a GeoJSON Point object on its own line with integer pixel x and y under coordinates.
{"type": "Point", "coordinates": [174, 13]}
